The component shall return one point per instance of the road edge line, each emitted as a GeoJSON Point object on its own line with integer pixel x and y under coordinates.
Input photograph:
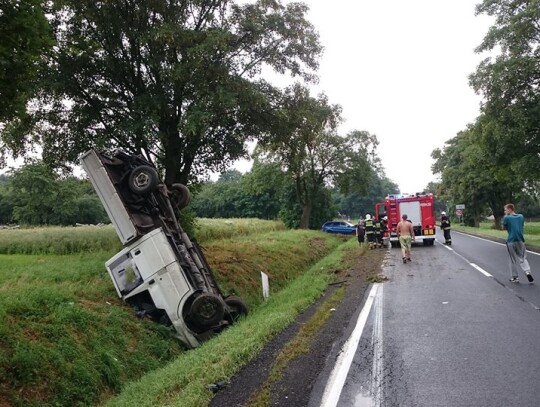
{"type": "Point", "coordinates": [336, 381]}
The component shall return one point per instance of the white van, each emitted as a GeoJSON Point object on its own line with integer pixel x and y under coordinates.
{"type": "Point", "coordinates": [160, 271]}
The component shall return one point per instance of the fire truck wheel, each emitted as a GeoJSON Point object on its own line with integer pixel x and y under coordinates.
{"type": "Point", "coordinates": [180, 195]}
{"type": "Point", "coordinates": [143, 179]}
{"type": "Point", "coordinates": [206, 310]}
{"type": "Point", "coordinates": [236, 308]}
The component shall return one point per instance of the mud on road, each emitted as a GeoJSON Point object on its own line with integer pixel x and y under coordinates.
{"type": "Point", "coordinates": [258, 384]}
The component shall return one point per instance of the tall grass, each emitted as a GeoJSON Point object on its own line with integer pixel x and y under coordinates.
{"type": "Point", "coordinates": [84, 239]}
{"type": "Point", "coordinates": [59, 240]}
{"type": "Point", "coordinates": [66, 339]}
{"type": "Point", "coordinates": [183, 382]}
{"type": "Point", "coordinates": [213, 229]}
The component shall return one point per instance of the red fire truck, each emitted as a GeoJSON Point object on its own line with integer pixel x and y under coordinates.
{"type": "Point", "coordinates": [419, 210]}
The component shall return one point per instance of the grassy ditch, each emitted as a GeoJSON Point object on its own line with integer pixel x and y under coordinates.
{"type": "Point", "coordinates": [531, 231]}
{"type": "Point", "coordinates": [184, 381]}
{"type": "Point", "coordinates": [66, 339]}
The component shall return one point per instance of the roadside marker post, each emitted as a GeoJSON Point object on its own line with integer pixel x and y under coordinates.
{"type": "Point", "coordinates": [265, 285]}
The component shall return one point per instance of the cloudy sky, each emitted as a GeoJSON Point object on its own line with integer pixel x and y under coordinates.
{"type": "Point", "coordinates": [400, 70]}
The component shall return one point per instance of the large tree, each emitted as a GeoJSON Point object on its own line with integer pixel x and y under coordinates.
{"type": "Point", "coordinates": [24, 36]}
{"type": "Point", "coordinates": [314, 155]}
{"type": "Point", "coordinates": [174, 80]}
{"type": "Point", "coordinates": [470, 176]}
{"type": "Point", "coordinates": [509, 80]}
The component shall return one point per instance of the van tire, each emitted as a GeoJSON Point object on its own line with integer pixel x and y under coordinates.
{"type": "Point", "coordinates": [236, 308]}
{"type": "Point", "coordinates": [143, 179]}
{"type": "Point", "coordinates": [207, 310]}
{"type": "Point", "coordinates": [180, 196]}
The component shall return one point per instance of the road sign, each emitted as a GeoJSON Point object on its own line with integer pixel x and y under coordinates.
{"type": "Point", "coordinates": [459, 212]}
{"type": "Point", "coordinates": [460, 206]}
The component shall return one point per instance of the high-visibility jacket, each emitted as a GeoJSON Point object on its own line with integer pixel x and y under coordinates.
{"type": "Point", "coordinates": [369, 227]}
{"type": "Point", "coordinates": [445, 223]}
{"type": "Point", "coordinates": [377, 227]}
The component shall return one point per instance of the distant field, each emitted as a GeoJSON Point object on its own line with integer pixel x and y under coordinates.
{"type": "Point", "coordinates": [85, 239]}
{"type": "Point", "coordinates": [65, 337]}
{"type": "Point", "coordinates": [532, 231]}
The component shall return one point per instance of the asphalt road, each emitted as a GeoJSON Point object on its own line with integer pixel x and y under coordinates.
{"type": "Point", "coordinates": [448, 329]}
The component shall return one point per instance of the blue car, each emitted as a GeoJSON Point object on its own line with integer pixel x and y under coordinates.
{"type": "Point", "coordinates": [339, 226]}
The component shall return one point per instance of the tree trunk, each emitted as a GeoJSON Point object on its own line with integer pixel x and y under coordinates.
{"type": "Point", "coordinates": [306, 214]}
{"type": "Point", "coordinates": [498, 219]}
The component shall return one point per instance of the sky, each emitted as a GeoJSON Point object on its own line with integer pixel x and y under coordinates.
{"type": "Point", "coordinates": [400, 69]}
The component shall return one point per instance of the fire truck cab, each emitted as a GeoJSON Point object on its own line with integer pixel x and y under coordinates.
{"type": "Point", "coordinates": [419, 210]}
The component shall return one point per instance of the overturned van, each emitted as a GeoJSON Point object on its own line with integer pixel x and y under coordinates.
{"type": "Point", "coordinates": [160, 271]}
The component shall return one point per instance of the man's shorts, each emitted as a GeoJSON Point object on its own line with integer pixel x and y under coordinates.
{"type": "Point", "coordinates": [405, 242]}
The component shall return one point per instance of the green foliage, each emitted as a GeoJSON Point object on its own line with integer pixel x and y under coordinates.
{"type": "Point", "coordinates": [314, 155]}
{"type": "Point", "coordinates": [216, 229]}
{"type": "Point", "coordinates": [471, 177]}
{"type": "Point", "coordinates": [356, 205]}
{"type": "Point", "coordinates": [66, 339]}
{"type": "Point", "coordinates": [323, 209]}
{"type": "Point", "coordinates": [508, 82]}
{"type": "Point", "coordinates": [183, 382]}
{"type": "Point", "coordinates": [257, 194]}
{"type": "Point", "coordinates": [59, 240]}
{"type": "Point", "coordinates": [172, 80]}
{"type": "Point", "coordinates": [24, 36]}
{"type": "Point", "coordinates": [36, 195]}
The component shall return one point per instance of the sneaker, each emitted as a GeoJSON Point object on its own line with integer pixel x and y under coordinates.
{"type": "Point", "coordinates": [514, 280]}
{"type": "Point", "coordinates": [409, 259]}
{"type": "Point", "coordinates": [529, 277]}
{"type": "Point", "coordinates": [404, 260]}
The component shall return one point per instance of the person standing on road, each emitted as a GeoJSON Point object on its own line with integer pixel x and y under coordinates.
{"type": "Point", "coordinates": [513, 223]}
{"type": "Point", "coordinates": [384, 224]}
{"type": "Point", "coordinates": [445, 226]}
{"type": "Point", "coordinates": [370, 231]}
{"type": "Point", "coordinates": [378, 241]}
{"type": "Point", "coordinates": [405, 233]}
{"type": "Point", "coordinates": [360, 231]}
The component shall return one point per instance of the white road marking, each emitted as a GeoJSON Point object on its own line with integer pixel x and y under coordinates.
{"type": "Point", "coordinates": [337, 378]}
{"type": "Point", "coordinates": [378, 346]}
{"type": "Point", "coordinates": [475, 266]}
{"type": "Point", "coordinates": [481, 270]}
{"type": "Point", "coordinates": [491, 241]}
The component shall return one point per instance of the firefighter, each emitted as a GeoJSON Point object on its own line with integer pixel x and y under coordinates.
{"type": "Point", "coordinates": [370, 231]}
{"type": "Point", "coordinates": [360, 231]}
{"type": "Point", "coordinates": [377, 229]}
{"type": "Point", "coordinates": [384, 225]}
{"type": "Point", "coordinates": [445, 227]}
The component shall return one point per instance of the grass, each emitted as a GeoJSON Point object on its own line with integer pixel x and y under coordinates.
{"type": "Point", "coordinates": [300, 345]}
{"type": "Point", "coordinates": [214, 229]}
{"type": "Point", "coordinates": [531, 231]}
{"type": "Point", "coordinates": [85, 239]}
{"type": "Point", "coordinates": [184, 381]}
{"type": "Point", "coordinates": [59, 240]}
{"type": "Point", "coordinates": [67, 340]}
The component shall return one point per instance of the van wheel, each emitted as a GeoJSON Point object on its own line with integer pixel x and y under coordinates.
{"type": "Point", "coordinates": [206, 310]}
{"type": "Point", "coordinates": [143, 179]}
{"type": "Point", "coordinates": [237, 308]}
{"type": "Point", "coordinates": [180, 195]}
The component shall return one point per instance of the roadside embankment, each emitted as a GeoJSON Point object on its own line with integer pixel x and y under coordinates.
{"type": "Point", "coordinates": [66, 339]}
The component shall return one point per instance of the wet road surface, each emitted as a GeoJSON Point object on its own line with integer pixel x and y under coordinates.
{"type": "Point", "coordinates": [448, 329]}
